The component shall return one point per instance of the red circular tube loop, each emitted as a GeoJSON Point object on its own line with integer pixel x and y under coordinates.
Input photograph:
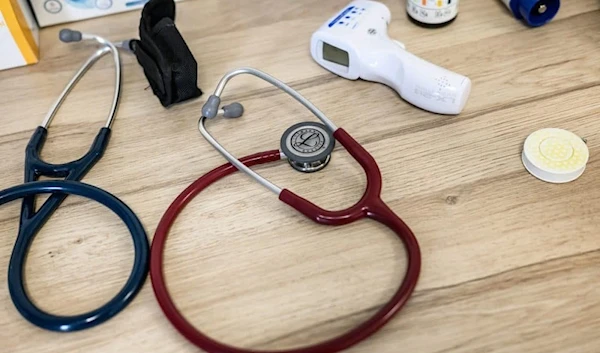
{"type": "Point", "coordinates": [370, 206]}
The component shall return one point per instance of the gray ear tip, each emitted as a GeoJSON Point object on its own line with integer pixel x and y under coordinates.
{"type": "Point", "coordinates": [67, 35]}
{"type": "Point", "coordinates": [233, 110]}
{"type": "Point", "coordinates": [236, 105]}
{"type": "Point", "coordinates": [64, 34]}
{"type": "Point", "coordinates": [211, 107]}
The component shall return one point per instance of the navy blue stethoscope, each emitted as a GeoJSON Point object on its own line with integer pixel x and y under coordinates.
{"type": "Point", "coordinates": [72, 172]}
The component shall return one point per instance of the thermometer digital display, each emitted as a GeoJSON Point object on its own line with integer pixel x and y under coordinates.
{"type": "Point", "coordinates": [354, 44]}
{"type": "Point", "coordinates": [335, 55]}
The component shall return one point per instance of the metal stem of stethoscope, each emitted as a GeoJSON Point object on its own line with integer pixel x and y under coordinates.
{"type": "Point", "coordinates": [67, 35]}
{"type": "Point", "coordinates": [211, 108]}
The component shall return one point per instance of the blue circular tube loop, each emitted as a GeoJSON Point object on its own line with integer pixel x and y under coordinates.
{"type": "Point", "coordinates": [16, 266]}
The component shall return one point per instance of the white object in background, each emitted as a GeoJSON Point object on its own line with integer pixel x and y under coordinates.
{"type": "Point", "coordinates": [432, 12]}
{"type": "Point", "coordinates": [555, 155]}
{"type": "Point", "coordinates": [354, 44]}
{"type": "Point", "coordinates": [51, 12]}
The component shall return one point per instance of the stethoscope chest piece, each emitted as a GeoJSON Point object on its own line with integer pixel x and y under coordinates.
{"type": "Point", "coordinates": [307, 146]}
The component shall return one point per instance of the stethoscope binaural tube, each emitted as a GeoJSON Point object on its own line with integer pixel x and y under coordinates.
{"type": "Point", "coordinates": [370, 206]}
{"type": "Point", "coordinates": [67, 35]}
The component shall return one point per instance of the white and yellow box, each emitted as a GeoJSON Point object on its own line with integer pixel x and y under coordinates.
{"type": "Point", "coordinates": [19, 36]}
{"type": "Point", "coordinates": [52, 12]}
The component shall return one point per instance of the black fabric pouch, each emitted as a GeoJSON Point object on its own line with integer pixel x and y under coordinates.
{"type": "Point", "coordinates": [168, 63]}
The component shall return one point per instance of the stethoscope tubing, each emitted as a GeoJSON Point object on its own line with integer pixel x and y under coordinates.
{"type": "Point", "coordinates": [95, 317]}
{"type": "Point", "coordinates": [31, 221]}
{"type": "Point", "coordinates": [346, 340]}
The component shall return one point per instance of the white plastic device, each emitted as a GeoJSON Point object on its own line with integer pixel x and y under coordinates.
{"type": "Point", "coordinates": [555, 155]}
{"type": "Point", "coordinates": [354, 44]}
{"type": "Point", "coordinates": [52, 12]}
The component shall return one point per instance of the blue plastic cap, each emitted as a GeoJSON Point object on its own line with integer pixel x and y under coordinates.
{"type": "Point", "coordinates": [535, 12]}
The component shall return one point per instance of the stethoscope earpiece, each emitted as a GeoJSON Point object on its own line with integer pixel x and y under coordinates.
{"type": "Point", "coordinates": [233, 110]}
{"type": "Point", "coordinates": [68, 35]}
{"type": "Point", "coordinates": [210, 109]}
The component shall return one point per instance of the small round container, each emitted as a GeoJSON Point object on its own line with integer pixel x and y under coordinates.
{"type": "Point", "coordinates": [555, 155]}
{"type": "Point", "coordinates": [432, 13]}
{"type": "Point", "coordinates": [534, 13]}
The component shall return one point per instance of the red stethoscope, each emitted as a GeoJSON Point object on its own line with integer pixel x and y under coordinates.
{"type": "Point", "coordinates": [307, 148]}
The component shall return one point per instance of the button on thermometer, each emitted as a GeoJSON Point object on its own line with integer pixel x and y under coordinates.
{"type": "Point", "coordinates": [354, 44]}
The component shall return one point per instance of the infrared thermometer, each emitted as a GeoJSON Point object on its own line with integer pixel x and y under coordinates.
{"type": "Point", "coordinates": [354, 44]}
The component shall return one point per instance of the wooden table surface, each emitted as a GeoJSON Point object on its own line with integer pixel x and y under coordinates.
{"type": "Point", "coordinates": [510, 263]}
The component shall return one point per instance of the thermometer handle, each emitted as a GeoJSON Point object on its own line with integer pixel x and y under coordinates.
{"type": "Point", "coordinates": [431, 87]}
{"type": "Point", "coordinates": [419, 82]}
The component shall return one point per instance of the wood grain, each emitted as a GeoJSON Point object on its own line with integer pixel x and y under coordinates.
{"type": "Point", "coordinates": [510, 263]}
